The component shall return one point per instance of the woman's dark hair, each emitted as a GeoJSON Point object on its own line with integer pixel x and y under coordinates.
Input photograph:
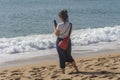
{"type": "Point", "coordinates": [64, 15]}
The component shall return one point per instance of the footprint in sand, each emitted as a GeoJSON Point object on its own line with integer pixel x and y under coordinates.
{"type": "Point", "coordinates": [76, 75]}
{"type": "Point", "coordinates": [93, 76]}
{"type": "Point", "coordinates": [80, 61]}
{"type": "Point", "coordinates": [31, 71]}
{"type": "Point", "coordinates": [116, 64]}
{"type": "Point", "coordinates": [104, 72]}
{"type": "Point", "coordinates": [110, 78]}
{"type": "Point", "coordinates": [24, 77]}
{"type": "Point", "coordinates": [89, 60]}
{"type": "Point", "coordinates": [33, 74]}
{"type": "Point", "coordinates": [99, 64]}
{"type": "Point", "coordinates": [118, 78]}
{"type": "Point", "coordinates": [51, 67]}
{"type": "Point", "coordinates": [101, 59]}
{"type": "Point", "coordinates": [104, 76]}
{"type": "Point", "coordinates": [91, 68]}
{"type": "Point", "coordinates": [87, 66]}
{"type": "Point", "coordinates": [111, 57]}
{"type": "Point", "coordinates": [42, 68]}
{"type": "Point", "coordinates": [85, 78]}
{"type": "Point", "coordinates": [54, 76]}
{"type": "Point", "coordinates": [14, 78]}
{"type": "Point", "coordinates": [3, 73]}
{"type": "Point", "coordinates": [38, 79]}
{"type": "Point", "coordinates": [107, 65]}
{"type": "Point", "coordinates": [16, 73]}
{"type": "Point", "coordinates": [98, 69]}
{"type": "Point", "coordinates": [65, 79]}
{"type": "Point", "coordinates": [18, 78]}
{"type": "Point", "coordinates": [113, 68]}
{"type": "Point", "coordinates": [35, 68]}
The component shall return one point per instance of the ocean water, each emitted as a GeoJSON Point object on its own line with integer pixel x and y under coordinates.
{"type": "Point", "coordinates": [27, 25]}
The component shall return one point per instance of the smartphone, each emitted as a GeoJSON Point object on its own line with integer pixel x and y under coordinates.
{"type": "Point", "coordinates": [55, 23]}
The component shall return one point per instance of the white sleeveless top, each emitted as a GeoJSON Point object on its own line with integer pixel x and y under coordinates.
{"type": "Point", "coordinates": [64, 29]}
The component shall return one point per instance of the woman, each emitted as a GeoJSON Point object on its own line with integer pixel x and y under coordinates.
{"type": "Point", "coordinates": [62, 30]}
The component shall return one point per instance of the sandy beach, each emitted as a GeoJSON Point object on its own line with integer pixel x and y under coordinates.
{"type": "Point", "coordinates": [97, 67]}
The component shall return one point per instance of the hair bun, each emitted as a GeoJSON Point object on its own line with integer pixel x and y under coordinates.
{"type": "Point", "coordinates": [64, 15]}
{"type": "Point", "coordinates": [65, 11]}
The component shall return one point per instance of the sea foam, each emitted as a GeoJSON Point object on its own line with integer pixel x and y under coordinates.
{"type": "Point", "coordinates": [45, 41]}
{"type": "Point", "coordinates": [90, 36]}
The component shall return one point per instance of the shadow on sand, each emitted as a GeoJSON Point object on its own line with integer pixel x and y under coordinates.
{"type": "Point", "coordinates": [95, 73]}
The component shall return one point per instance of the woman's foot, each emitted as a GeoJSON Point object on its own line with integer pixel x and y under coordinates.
{"type": "Point", "coordinates": [75, 67]}
{"type": "Point", "coordinates": [63, 71]}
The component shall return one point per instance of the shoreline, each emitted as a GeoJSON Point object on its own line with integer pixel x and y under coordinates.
{"type": "Point", "coordinates": [7, 60]}
{"type": "Point", "coordinates": [54, 57]}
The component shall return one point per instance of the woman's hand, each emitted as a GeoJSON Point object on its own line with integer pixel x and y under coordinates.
{"type": "Point", "coordinates": [57, 32]}
{"type": "Point", "coordinates": [55, 23]}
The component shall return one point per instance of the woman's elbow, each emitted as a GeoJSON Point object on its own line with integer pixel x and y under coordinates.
{"type": "Point", "coordinates": [57, 34]}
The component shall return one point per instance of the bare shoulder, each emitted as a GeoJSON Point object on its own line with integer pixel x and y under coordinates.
{"type": "Point", "coordinates": [60, 24]}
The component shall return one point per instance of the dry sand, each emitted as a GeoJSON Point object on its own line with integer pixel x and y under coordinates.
{"type": "Point", "coordinates": [101, 67]}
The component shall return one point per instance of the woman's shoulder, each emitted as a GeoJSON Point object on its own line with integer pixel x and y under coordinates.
{"type": "Point", "coordinates": [60, 24]}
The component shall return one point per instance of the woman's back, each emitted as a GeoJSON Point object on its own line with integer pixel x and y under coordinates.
{"type": "Point", "coordinates": [64, 29]}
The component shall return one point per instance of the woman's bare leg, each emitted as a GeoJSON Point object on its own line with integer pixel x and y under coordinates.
{"type": "Point", "coordinates": [63, 71]}
{"type": "Point", "coordinates": [74, 65]}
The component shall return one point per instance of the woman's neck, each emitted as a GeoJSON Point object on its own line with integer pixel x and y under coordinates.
{"type": "Point", "coordinates": [65, 21]}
